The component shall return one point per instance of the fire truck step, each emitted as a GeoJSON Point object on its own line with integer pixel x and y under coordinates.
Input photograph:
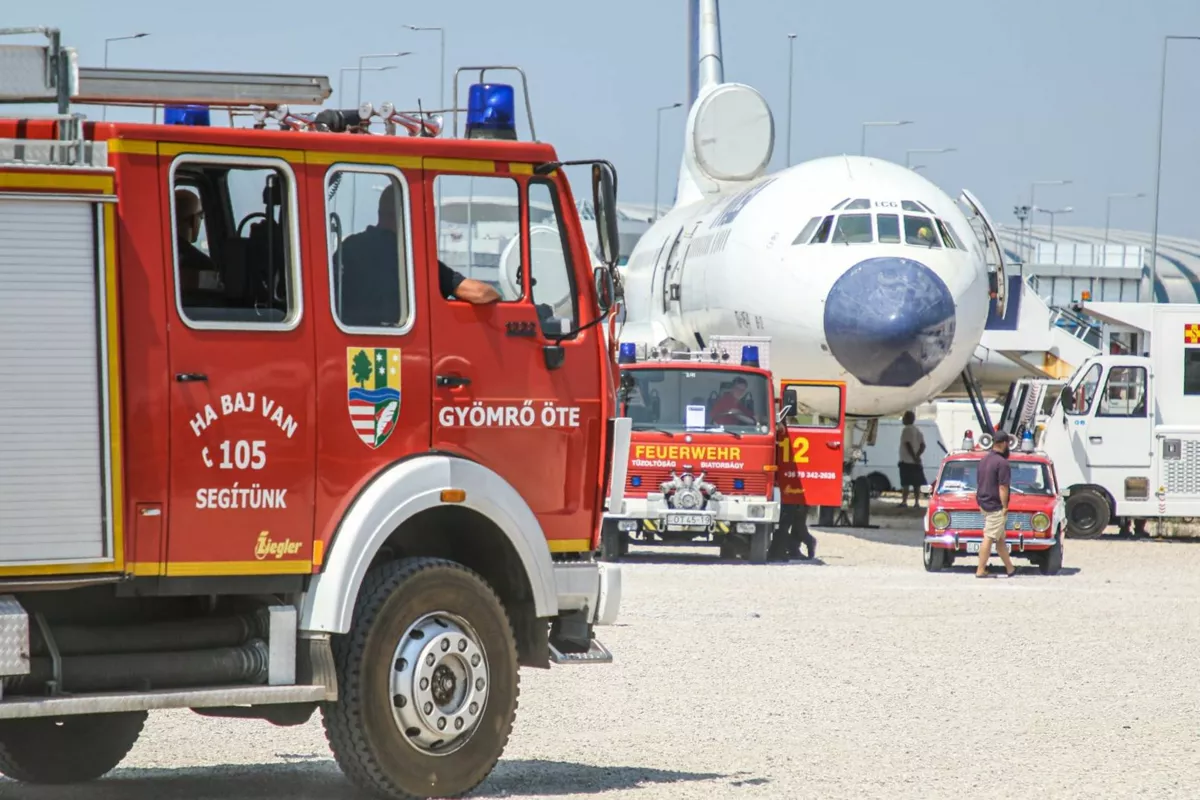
{"type": "Point", "coordinates": [596, 654]}
{"type": "Point", "coordinates": [148, 701]}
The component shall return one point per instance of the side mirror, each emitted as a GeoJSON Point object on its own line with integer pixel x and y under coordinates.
{"type": "Point", "coordinates": [789, 404]}
{"type": "Point", "coordinates": [604, 198]}
{"type": "Point", "coordinates": [605, 288]}
{"type": "Point", "coordinates": [1067, 399]}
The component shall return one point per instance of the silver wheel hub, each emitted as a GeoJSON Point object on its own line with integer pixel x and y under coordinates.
{"type": "Point", "coordinates": [440, 683]}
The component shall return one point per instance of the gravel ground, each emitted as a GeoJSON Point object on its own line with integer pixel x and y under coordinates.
{"type": "Point", "coordinates": [859, 676]}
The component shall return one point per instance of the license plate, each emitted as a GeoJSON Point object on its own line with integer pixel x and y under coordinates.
{"type": "Point", "coordinates": [687, 519]}
{"type": "Point", "coordinates": [973, 547]}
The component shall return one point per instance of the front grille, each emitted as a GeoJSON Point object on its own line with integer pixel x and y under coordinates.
{"type": "Point", "coordinates": [973, 520]}
{"type": "Point", "coordinates": [652, 479]}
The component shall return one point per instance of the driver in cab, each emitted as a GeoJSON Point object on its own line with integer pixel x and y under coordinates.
{"type": "Point", "coordinates": [731, 405]}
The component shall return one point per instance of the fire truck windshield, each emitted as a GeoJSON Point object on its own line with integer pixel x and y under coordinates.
{"type": "Point", "coordinates": [1028, 477]}
{"type": "Point", "coordinates": [678, 399]}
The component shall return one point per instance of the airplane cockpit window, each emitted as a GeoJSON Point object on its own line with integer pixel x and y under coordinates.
{"type": "Point", "coordinates": [889, 229]}
{"type": "Point", "coordinates": [949, 235]}
{"type": "Point", "coordinates": [947, 239]}
{"type": "Point", "coordinates": [911, 205]}
{"type": "Point", "coordinates": [807, 231]}
{"type": "Point", "coordinates": [919, 231]}
{"type": "Point", "coordinates": [859, 204]}
{"type": "Point", "coordinates": [839, 205]}
{"type": "Point", "coordinates": [822, 234]}
{"type": "Point", "coordinates": [853, 229]}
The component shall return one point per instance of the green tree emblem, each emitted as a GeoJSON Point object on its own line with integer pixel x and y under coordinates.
{"type": "Point", "coordinates": [362, 368]}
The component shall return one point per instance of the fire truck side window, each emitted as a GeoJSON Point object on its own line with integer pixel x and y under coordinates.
{"type": "Point", "coordinates": [552, 279]}
{"type": "Point", "coordinates": [804, 416]}
{"type": "Point", "coordinates": [478, 228]}
{"type": "Point", "coordinates": [246, 272]}
{"type": "Point", "coordinates": [1124, 393]}
{"type": "Point", "coordinates": [368, 220]}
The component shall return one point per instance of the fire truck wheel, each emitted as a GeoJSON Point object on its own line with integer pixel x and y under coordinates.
{"type": "Point", "coordinates": [760, 543]}
{"type": "Point", "coordinates": [825, 516]}
{"type": "Point", "coordinates": [73, 749]}
{"type": "Point", "coordinates": [934, 558]}
{"type": "Point", "coordinates": [613, 544]}
{"type": "Point", "coordinates": [1088, 514]}
{"type": "Point", "coordinates": [860, 503]}
{"type": "Point", "coordinates": [427, 681]}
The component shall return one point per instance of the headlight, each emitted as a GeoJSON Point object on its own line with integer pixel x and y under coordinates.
{"type": "Point", "coordinates": [1040, 521]}
{"type": "Point", "coordinates": [940, 520]}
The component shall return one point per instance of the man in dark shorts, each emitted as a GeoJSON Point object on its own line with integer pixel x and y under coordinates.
{"type": "Point", "coordinates": [912, 448]}
{"type": "Point", "coordinates": [991, 492]}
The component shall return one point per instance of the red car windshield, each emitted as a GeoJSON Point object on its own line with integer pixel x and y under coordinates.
{"type": "Point", "coordinates": [1028, 477]}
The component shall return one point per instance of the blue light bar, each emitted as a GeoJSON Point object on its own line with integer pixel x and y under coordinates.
{"type": "Point", "coordinates": [750, 355]}
{"type": "Point", "coordinates": [628, 354]}
{"type": "Point", "coordinates": [636, 480]}
{"type": "Point", "coordinates": [186, 115]}
{"type": "Point", "coordinates": [739, 484]}
{"type": "Point", "coordinates": [491, 112]}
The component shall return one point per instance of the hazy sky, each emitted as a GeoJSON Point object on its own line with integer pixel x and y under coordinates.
{"type": "Point", "coordinates": [1054, 89]}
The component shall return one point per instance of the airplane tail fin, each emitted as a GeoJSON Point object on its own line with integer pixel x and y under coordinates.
{"type": "Point", "coordinates": [705, 65]}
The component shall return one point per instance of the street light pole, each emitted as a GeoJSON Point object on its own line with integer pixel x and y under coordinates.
{"type": "Point", "coordinates": [1108, 214]}
{"type": "Point", "coordinates": [1162, 100]}
{"type": "Point", "coordinates": [442, 73]}
{"type": "Point", "coordinates": [791, 49]}
{"type": "Point", "coordinates": [104, 109]}
{"type": "Point", "coordinates": [363, 58]}
{"type": "Point", "coordinates": [657, 148]}
{"type": "Point", "coordinates": [344, 70]}
{"type": "Point", "coordinates": [908, 153]}
{"type": "Point", "coordinates": [863, 148]}
{"type": "Point", "coordinates": [1033, 205]}
{"type": "Point", "coordinates": [1053, 212]}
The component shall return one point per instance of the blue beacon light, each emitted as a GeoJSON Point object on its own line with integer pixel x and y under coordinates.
{"type": "Point", "coordinates": [491, 112]}
{"type": "Point", "coordinates": [186, 115]}
{"type": "Point", "coordinates": [750, 355]}
{"type": "Point", "coordinates": [628, 354]}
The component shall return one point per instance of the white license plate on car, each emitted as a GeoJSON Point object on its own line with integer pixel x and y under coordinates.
{"type": "Point", "coordinates": [973, 547]}
{"type": "Point", "coordinates": [687, 519]}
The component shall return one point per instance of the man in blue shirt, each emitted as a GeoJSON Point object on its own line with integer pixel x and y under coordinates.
{"type": "Point", "coordinates": [992, 487]}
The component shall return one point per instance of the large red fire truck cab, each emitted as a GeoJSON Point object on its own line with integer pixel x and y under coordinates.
{"type": "Point", "coordinates": [254, 460]}
{"type": "Point", "coordinates": [702, 455]}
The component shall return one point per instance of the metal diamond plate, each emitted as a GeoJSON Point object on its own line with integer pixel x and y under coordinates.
{"type": "Point", "coordinates": [14, 637]}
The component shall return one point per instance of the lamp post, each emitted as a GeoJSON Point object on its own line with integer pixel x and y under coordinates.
{"type": "Point", "coordinates": [791, 41]}
{"type": "Point", "coordinates": [344, 70]}
{"type": "Point", "coordinates": [1053, 212]}
{"type": "Point", "coordinates": [863, 149]}
{"type": "Point", "coordinates": [1033, 204]}
{"type": "Point", "coordinates": [363, 58]}
{"type": "Point", "coordinates": [657, 148]}
{"type": "Point", "coordinates": [104, 111]}
{"type": "Point", "coordinates": [1162, 99]}
{"type": "Point", "coordinates": [908, 153]}
{"type": "Point", "coordinates": [1108, 213]}
{"type": "Point", "coordinates": [442, 73]}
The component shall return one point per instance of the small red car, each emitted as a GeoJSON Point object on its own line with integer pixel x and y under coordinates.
{"type": "Point", "coordinates": [1036, 511]}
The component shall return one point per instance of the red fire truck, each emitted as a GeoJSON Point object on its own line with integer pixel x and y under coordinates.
{"type": "Point", "coordinates": [260, 455]}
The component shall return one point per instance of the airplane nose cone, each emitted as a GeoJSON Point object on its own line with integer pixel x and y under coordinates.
{"type": "Point", "coordinates": [889, 321]}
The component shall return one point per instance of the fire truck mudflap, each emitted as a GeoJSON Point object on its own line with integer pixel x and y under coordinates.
{"type": "Point", "coordinates": [222, 503]}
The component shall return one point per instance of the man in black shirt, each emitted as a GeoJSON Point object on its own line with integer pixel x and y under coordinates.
{"type": "Point", "coordinates": [992, 486]}
{"type": "Point", "coordinates": [371, 268]}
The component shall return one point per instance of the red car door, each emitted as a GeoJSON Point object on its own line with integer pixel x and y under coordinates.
{"type": "Point", "coordinates": [811, 449]}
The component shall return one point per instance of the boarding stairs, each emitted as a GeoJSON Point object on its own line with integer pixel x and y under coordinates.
{"type": "Point", "coordinates": [1049, 342]}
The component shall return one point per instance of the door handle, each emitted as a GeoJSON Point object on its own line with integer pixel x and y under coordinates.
{"type": "Point", "coordinates": [187, 377]}
{"type": "Point", "coordinates": [833, 445]}
{"type": "Point", "coordinates": [1095, 439]}
{"type": "Point", "coordinates": [452, 380]}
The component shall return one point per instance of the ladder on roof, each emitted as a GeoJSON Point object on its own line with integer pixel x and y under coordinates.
{"type": "Point", "coordinates": [51, 73]}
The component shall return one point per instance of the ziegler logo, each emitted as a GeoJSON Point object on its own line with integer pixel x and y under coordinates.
{"type": "Point", "coordinates": [266, 547]}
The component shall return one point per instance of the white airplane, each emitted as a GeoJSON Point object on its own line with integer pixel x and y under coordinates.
{"type": "Point", "coordinates": [859, 269]}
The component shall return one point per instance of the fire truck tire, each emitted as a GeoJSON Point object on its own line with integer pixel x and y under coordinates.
{"type": "Point", "coordinates": [430, 645]}
{"type": "Point", "coordinates": [1088, 514]}
{"type": "Point", "coordinates": [934, 558]}
{"type": "Point", "coordinates": [760, 543]}
{"type": "Point", "coordinates": [72, 749]}
{"type": "Point", "coordinates": [825, 516]}
{"type": "Point", "coordinates": [613, 544]}
{"type": "Point", "coordinates": [860, 503]}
